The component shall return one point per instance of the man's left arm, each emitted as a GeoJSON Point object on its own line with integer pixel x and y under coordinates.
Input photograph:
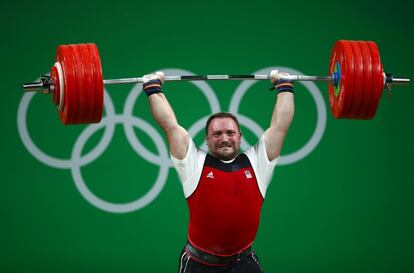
{"type": "Point", "coordinates": [282, 115]}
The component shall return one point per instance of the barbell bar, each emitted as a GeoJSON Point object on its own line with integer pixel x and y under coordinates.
{"type": "Point", "coordinates": [355, 81]}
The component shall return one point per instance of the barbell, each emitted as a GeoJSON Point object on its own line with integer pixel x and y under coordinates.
{"type": "Point", "coordinates": [355, 83]}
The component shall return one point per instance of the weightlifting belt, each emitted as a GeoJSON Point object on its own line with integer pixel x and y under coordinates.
{"type": "Point", "coordinates": [208, 258]}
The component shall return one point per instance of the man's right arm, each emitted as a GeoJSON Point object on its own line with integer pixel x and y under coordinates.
{"type": "Point", "coordinates": [164, 115]}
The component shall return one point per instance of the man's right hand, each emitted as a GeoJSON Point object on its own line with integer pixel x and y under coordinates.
{"type": "Point", "coordinates": [153, 82]}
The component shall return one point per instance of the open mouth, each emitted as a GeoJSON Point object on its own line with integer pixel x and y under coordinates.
{"type": "Point", "coordinates": [225, 146]}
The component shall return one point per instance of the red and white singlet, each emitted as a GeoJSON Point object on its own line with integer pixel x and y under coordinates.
{"type": "Point", "coordinates": [224, 197]}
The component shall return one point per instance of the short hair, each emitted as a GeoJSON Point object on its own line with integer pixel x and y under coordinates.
{"type": "Point", "coordinates": [222, 115]}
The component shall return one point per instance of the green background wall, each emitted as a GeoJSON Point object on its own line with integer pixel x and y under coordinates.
{"type": "Point", "coordinates": [345, 207]}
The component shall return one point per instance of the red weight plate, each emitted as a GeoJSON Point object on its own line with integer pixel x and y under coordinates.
{"type": "Point", "coordinates": [349, 92]}
{"type": "Point", "coordinates": [54, 74]}
{"type": "Point", "coordinates": [72, 95]}
{"type": "Point", "coordinates": [358, 80]}
{"type": "Point", "coordinates": [98, 83]}
{"type": "Point", "coordinates": [368, 88]}
{"type": "Point", "coordinates": [64, 57]}
{"type": "Point", "coordinates": [340, 96]}
{"type": "Point", "coordinates": [80, 84]}
{"type": "Point", "coordinates": [95, 84]}
{"type": "Point", "coordinates": [89, 84]}
{"type": "Point", "coordinates": [377, 79]}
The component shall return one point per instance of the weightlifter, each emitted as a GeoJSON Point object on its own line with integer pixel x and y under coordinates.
{"type": "Point", "coordinates": [224, 188]}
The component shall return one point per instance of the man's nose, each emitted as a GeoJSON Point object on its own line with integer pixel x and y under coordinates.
{"type": "Point", "coordinates": [224, 137]}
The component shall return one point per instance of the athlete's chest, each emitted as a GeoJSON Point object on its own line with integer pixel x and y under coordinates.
{"type": "Point", "coordinates": [234, 183]}
{"type": "Point", "coordinates": [235, 179]}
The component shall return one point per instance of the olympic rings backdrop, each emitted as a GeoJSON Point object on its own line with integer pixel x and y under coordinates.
{"type": "Point", "coordinates": [105, 198]}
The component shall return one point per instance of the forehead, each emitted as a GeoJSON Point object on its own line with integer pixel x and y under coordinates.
{"type": "Point", "coordinates": [220, 124]}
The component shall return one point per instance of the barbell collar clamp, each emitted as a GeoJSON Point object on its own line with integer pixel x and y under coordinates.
{"type": "Point", "coordinates": [45, 85]}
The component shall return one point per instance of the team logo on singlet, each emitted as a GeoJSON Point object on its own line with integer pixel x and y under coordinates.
{"type": "Point", "coordinates": [210, 175]}
{"type": "Point", "coordinates": [248, 174]}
